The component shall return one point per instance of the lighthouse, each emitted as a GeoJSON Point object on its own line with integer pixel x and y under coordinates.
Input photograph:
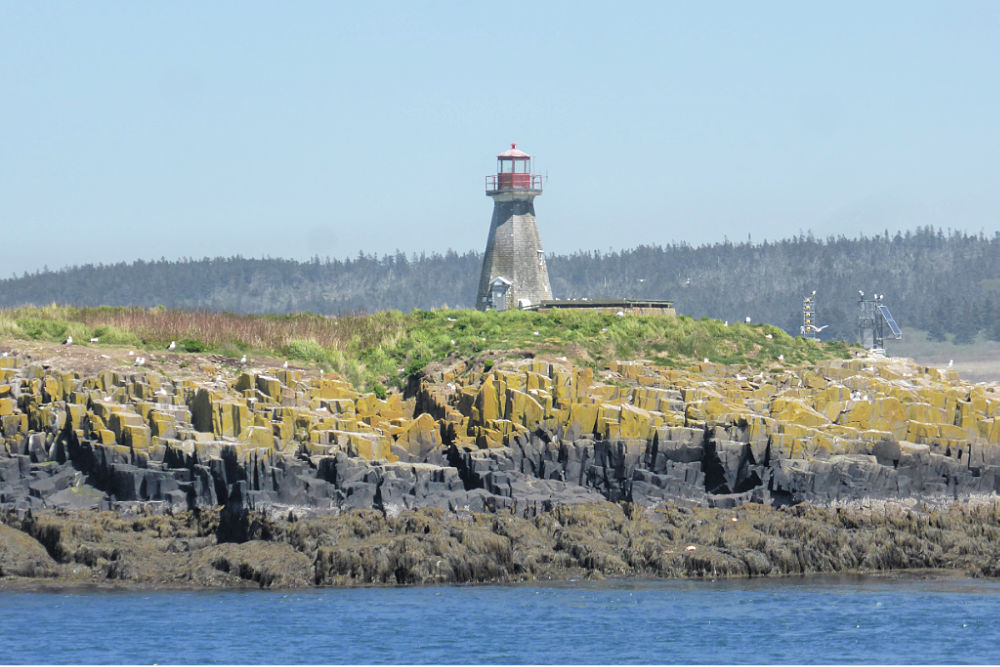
{"type": "Point", "coordinates": [514, 273]}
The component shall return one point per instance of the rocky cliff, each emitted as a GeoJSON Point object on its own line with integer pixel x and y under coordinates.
{"type": "Point", "coordinates": [526, 435]}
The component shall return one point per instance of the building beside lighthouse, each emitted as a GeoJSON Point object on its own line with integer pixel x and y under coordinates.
{"type": "Point", "coordinates": [514, 274]}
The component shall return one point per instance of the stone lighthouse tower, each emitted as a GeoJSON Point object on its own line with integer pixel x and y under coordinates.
{"type": "Point", "coordinates": [514, 273]}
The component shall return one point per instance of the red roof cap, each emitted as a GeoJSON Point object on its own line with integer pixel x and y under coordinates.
{"type": "Point", "coordinates": [514, 153]}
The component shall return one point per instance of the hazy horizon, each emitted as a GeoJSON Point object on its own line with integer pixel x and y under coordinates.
{"type": "Point", "coordinates": [140, 131]}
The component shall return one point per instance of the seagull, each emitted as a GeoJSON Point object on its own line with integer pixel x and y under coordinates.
{"type": "Point", "coordinates": [726, 323]}
{"type": "Point", "coordinates": [620, 313]}
{"type": "Point", "coordinates": [452, 319]}
{"type": "Point", "coordinates": [243, 359]}
{"type": "Point", "coordinates": [861, 293]}
{"type": "Point", "coordinates": [781, 357]}
{"type": "Point", "coordinates": [94, 339]}
{"type": "Point", "coordinates": [284, 365]}
{"type": "Point", "coordinates": [452, 341]}
{"type": "Point", "coordinates": [768, 336]}
{"type": "Point", "coordinates": [4, 355]}
{"type": "Point", "coordinates": [747, 320]}
{"type": "Point", "coordinates": [139, 361]}
{"type": "Point", "coordinates": [68, 341]}
{"type": "Point", "coordinates": [951, 362]}
{"type": "Point", "coordinates": [534, 333]}
{"type": "Point", "coordinates": [130, 353]}
{"type": "Point", "coordinates": [818, 329]}
{"type": "Point", "coordinates": [706, 360]}
{"type": "Point", "coordinates": [172, 346]}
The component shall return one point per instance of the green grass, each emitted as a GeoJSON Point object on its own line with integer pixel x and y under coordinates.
{"type": "Point", "coordinates": [384, 349]}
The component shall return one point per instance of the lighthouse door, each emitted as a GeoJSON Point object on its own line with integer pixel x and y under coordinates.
{"type": "Point", "coordinates": [498, 293]}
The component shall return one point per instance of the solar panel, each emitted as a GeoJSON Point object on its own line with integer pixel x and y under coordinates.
{"type": "Point", "coordinates": [891, 322]}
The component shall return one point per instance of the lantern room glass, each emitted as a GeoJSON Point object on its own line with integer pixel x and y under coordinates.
{"type": "Point", "coordinates": [513, 166]}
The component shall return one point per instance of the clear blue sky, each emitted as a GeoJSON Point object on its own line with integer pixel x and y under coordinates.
{"type": "Point", "coordinates": [191, 129]}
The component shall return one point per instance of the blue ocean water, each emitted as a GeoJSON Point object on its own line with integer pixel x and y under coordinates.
{"type": "Point", "coordinates": [801, 620]}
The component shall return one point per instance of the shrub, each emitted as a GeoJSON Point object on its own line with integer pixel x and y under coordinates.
{"type": "Point", "coordinates": [306, 350]}
{"type": "Point", "coordinates": [191, 345]}
{"type": "Point", "coordinates": [111, 335]}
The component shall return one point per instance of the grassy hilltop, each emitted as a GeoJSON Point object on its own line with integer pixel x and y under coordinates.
{"type": "Point", "coordinates": [384, 349]}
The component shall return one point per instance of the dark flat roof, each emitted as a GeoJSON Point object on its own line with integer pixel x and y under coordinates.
{"type": "Point", "coordinates": [607, 303]}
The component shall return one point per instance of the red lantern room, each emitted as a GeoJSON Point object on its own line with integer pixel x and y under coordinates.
{"type": "Point", "coordinates": [513, 173]}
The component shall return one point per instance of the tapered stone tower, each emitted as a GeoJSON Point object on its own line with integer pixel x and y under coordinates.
{"type": "Point", "coordinates": [514, 273]}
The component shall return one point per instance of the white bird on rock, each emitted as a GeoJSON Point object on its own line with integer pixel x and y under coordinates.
{"type": "Point", "coordinates": [284, 365]}
{"type": "Point", "coordinates": [139, 361]}
{"type": "Point", "coordinates": [243, 359]}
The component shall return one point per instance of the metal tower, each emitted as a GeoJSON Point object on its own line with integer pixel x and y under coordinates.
{"type": "Point", "coordinates": [808, 328]}
{"type": "Point", "coordinates": [873, 316]}
{"type": "Point", "coordinates": [514, 273]}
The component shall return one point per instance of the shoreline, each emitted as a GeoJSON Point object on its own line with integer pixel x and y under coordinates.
{"type": "Point", "coordinates": [33, 585]}
{"type": "Point", "coordinates": [916, 574]}
{"type": "Point", "coordinates": [62, 551]}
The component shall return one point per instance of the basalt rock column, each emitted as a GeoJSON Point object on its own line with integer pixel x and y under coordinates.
{"type": "Point", "coordinates": [514, 273]}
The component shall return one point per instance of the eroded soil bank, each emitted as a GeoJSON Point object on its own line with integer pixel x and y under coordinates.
{"type": "Point", "coordinates": [139, 548]}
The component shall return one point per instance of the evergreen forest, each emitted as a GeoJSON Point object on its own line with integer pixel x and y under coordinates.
{"type": "Point", "coordinates": [946, 284]}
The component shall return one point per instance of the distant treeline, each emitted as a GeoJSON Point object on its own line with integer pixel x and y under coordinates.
{"type": "Point", "coordinates": [937, 282]}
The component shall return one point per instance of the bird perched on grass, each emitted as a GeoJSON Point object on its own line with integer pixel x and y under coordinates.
{"type": "Point", "coordinates": [68, 341]}
{"type": "Point", "coordinates": [94, 339]}
{"type": "Point", "coordinates": [243, 359]}
{"type": "Point", "coordinates": [172, 346]}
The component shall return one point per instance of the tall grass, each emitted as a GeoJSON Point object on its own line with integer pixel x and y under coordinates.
{"type": "Point", "coordinates": [385, 347]}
